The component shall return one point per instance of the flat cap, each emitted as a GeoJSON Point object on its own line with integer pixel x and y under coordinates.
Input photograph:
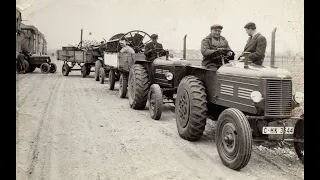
{"type": "Point", "coordinates": [154, 36]}
{"type": "Point", "coordinates": [216, 26]}
{"type": "Point", "coordinates": [250, 25]}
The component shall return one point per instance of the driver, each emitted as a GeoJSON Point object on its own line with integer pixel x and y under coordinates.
{"type": "Point", "coordinates": [211, 44]}
{"type": "Point", "coordinates": [125, 47]}
{"type": "Point", "coordinates": [152, 45]}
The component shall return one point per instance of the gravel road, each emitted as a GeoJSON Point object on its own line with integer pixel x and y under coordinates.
{"type": "Point", "coordinates": [73, 128]}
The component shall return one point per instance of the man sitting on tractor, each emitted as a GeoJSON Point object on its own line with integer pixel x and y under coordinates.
{"type": "Point", "coordinates": [152, 48]}
{"type": "Point", "coordinates": [213, 47]}
{"type": "Point", "coordinates": [125, 47]}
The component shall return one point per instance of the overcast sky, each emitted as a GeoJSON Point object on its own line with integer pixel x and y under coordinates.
{"type": "Point", "coordinates": [61, 20]}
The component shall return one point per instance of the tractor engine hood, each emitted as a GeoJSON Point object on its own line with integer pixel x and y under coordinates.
{"type": "Point", "coordinates": [254, 71]}
{"type": "Point", "coordinates": [170, 61]}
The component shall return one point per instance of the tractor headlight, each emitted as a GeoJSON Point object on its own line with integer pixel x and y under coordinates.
{"type": "Point", "coordinates": [298, 97]}
{"type": "Point", "coordinates": [169, 76]}
{"type": "Point", "coordinates": [256, 96]}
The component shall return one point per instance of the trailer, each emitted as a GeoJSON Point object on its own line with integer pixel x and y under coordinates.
{"type": "Point", "coordinates": [84, 57]}
{"type": "Point", "coordinates": [117, 65]}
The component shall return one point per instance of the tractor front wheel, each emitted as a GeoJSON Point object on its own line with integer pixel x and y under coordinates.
{"type": "Point", "coordinates": [233, 139]}
{"type": "Point", "coordinates": [191, 108]}
{"type": "Point", "coordinates": [138, 87]}
{"type": "Point", "coordinates": [45, 68]}
{"type": "Point", "coordinates": [155, 101]}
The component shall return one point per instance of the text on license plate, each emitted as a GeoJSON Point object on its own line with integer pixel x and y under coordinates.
{"type": "Point", "coordinates": [277, 130]}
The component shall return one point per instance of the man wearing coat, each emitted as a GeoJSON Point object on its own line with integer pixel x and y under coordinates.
{"type": "Point", "coordinates": [256, 44]}
{"type": "Point", "coordinates": [152, 45]}
{"type": "Point", "coordinates": [214, 43]}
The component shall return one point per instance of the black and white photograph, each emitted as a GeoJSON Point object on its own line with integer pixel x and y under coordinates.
{"type": "Point", "coordinates": [159, 89]}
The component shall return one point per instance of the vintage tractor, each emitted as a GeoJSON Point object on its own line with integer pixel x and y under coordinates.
{"type": "Point", "coordinates": [116, 65]}
{"type": "Point", "coordinates": [43, 62]}
{"type": "Point", "coordinates": [248, 101]}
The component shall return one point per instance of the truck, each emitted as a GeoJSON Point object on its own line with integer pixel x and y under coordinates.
{"type": "Point", "coordinates": [248, 102]}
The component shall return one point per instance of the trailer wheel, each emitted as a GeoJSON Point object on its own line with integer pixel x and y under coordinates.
{"type": "Point", "coordinates": [112, 79]}
{"type": "Point", "coordinates": [191, 108]}
{"type": "Point", "coordinates": [155, 101]}
{"type": "Point", "coordinates": [102, 75]}
{"type": "Point", "coordinates": [65, 69]}
{"type": "Point", "coordinates": [26, 66]}
{"type": "Point", "coordinates": [88, 70]}
{"type": "Point", "coordinates": [123, 85]}
{"type": "Point", "coordinates": [234, 139]}
{"type": "Point", "coordinates": [84, 70]}
{"type": "Point", "coordinates": [31, 68]}
{"type": "Point", "coordinates": [97, 67]}
{"type": "Point", "coordinates": [299, 134]}
{"type": "Point", "coordinates": [138, 87]}
{"type": "Point", "coordinates": [53, 67]}
{"type": "Point", "coordinates": [45, 68]}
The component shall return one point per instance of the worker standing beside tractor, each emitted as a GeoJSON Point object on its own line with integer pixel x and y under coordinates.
{"type": "Point", "coordinates": [256, 44]}
{"type": "Point", "coordinates": [125, 47]}
{"type": "Point", "coordinates": [213, 43]}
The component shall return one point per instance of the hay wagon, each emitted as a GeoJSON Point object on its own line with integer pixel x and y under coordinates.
{"type": "Point", "coordinates": [116, 65]}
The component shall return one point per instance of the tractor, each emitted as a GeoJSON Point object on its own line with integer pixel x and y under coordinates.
{"type": "Point", "coordinates": [248, 102]}
{"type": "Point", "coordinates": [31, 62]}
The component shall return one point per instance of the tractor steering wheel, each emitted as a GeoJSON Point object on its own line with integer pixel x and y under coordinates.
{"type": "Point", "coordinates": [157, 51]}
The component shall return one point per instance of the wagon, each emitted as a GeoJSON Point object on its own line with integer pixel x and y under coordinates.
{"type": "Point", "coordinates": [116, 65]}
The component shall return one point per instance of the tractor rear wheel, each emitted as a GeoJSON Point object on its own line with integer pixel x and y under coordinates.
{"type": "Point", "coordinates": [102, 75]}
{"type": "Point", "coordinates": [234, 139]}
{"type": "Point", "coordinates": [65, 69]}
{"type": "Point", "coordinates": [45, 68]}
{"type": "Point", "coordinates": [112, 79]}
{"type": "Point", "coordinates": [299, 134]}
{"type": "Point", "coordinates": [191, 108]}
{"type": "Point", "coordinates": [155, 101]}
{"type": "Point", "coordinates": [84, 70]}
{"type": "Point", "coordinates": [53, 68]}
{"type": "Point", "coordinates": [123, 85]}
{"type": "Point", "coordinates": [97, 67]}
{"type": "Point", "coordinates": [138, 87]}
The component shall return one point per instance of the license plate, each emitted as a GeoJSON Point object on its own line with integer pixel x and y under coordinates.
{"type": "Point", "coordinates": [277, 130]}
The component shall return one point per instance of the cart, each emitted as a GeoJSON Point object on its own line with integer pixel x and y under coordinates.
{"type": "Point", "coordinates": [116, 65]}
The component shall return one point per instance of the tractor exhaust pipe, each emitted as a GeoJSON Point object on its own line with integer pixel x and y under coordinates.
{"type": "Point", "coordinates": [81, 39]}
{"type": "Point", "coordinates": [184, 47]}
{"type": "Point", "coordinates": [273, 44]}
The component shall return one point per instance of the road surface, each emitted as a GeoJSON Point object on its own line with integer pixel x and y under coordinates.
{"type": "Point", "coordinates": [73, 128]}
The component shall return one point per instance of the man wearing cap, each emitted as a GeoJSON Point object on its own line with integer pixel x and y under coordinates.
{"type": "Point", "coordinates": [213, 43]}
{"type": "Point", "coordinates": [256, 44]}
{"type": "Point", "coordinates": [152, 45]}
{"type": "Point", "coordinates": [126, 48]}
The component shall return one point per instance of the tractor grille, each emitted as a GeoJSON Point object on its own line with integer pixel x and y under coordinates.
{"type": "Point", "coordinates": [278, 98]}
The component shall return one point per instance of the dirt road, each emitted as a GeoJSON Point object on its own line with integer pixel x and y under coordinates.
{"type": "Point", "coordinates": [74, 128]}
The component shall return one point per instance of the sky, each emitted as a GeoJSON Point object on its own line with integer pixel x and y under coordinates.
{"type": "Point", "coordinates": [62, 20]}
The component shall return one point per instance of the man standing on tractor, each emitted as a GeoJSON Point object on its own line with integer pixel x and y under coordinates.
{"type": "Point", "coordinates": [125, 47]}
{"type": "Point", "coordinates": [256, 44]}
{"type": "Point", "coordinates": [151, 46]}
{"type": "Point", "coordinates": [213, 46]}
